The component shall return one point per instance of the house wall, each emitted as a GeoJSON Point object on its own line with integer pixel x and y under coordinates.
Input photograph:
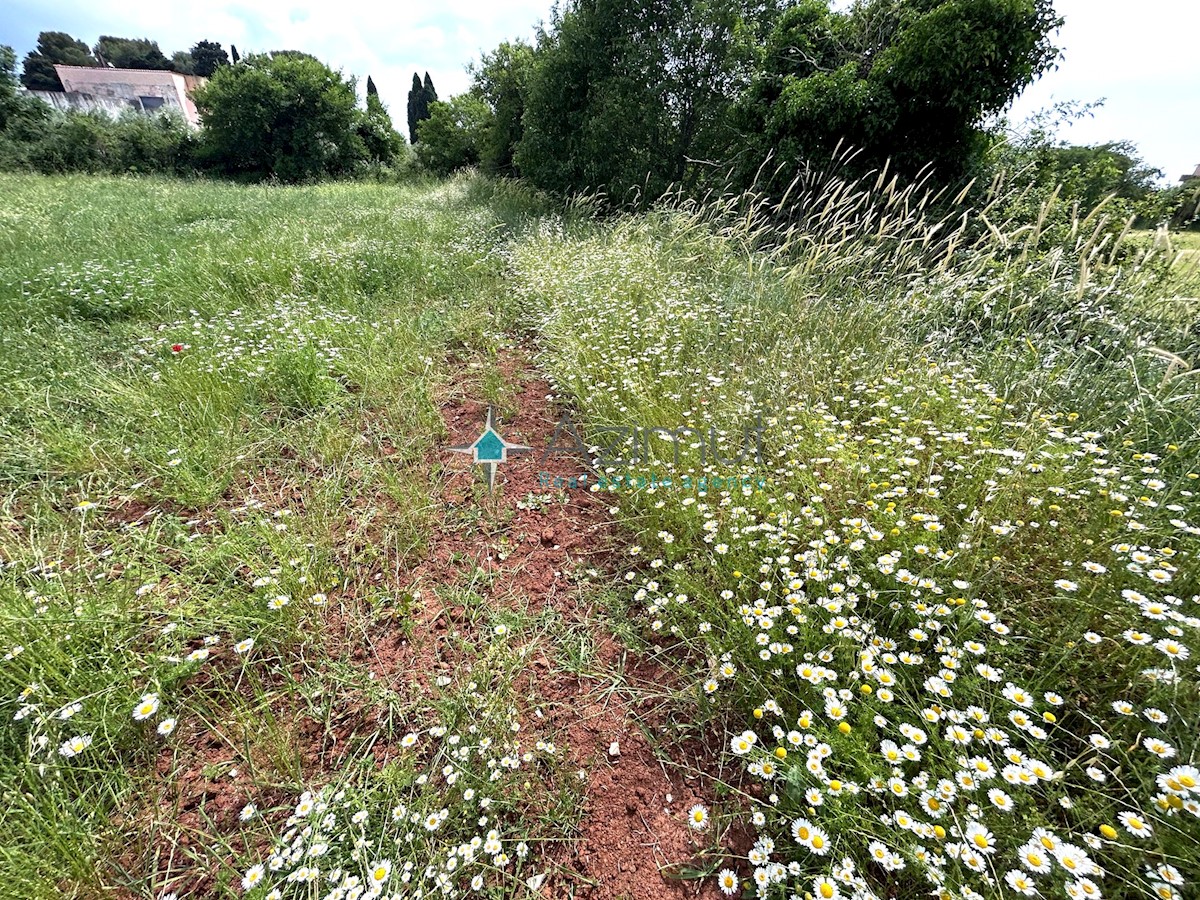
{"type": "Point", "coordinates": [65, 101]}
{"type": "Point", "coordinates": [114, 89]}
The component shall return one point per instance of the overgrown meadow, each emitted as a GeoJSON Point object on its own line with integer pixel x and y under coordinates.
{"type": "Point", "coordinates": [948, 626]}
{"type": "Point", "coordinates": [946, 635]}
{"type": "Point", "coordinates": [219, 407]}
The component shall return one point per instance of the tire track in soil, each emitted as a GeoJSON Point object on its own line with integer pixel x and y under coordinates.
{"type": "Point", "coordinates": [628, 829]}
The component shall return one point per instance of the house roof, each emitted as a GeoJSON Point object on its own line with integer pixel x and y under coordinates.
{"type": "Point", "coordinates": [105, 81]}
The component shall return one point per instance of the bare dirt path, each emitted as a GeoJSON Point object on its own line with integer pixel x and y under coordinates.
{"type": "Point", "coordinates": [634, 818]}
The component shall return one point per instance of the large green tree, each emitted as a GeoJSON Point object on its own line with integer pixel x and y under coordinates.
{"type": "Point", "coordinates": [415, 95]}
{"type": "Point", "coordinates": [131, 53]}
{"type": "Point", "coordinates": [8, 83]}
{"type": "Point", "coordinates": [207, 57]}
{"type": "Point", "coordinates": [907, 80]}
{"type": "Point", "coordinates": [502, 81]}
{"type": "Point", "coordinates": [452, 135]}
{"type": "Point", "coordinates": [384, 144]}
{"type": "Point", "coordinates": [182, 62]}
{"type": "Point", "coordinates": [53, 47]}
{"type": "Point", "coordinates": [420, 96]}
{"type": "Point", "coordinates": [629, 97]}
{"type": "Point", "coordinates": [285, 115]}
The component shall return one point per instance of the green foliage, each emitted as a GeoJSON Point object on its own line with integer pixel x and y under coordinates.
{"type": "Point", "coordinates": [10, 96]}
{"type": "Point", "coordinates": [420, 96]}
{"type": "Point", "coordinates": [131, 53]}
{"type": "Point", "coordinates": [182, 62]}
{"type": "Point", "coordinates": [50, 142]}
{"type": "Point", "coordinates": [909, 82]}
{"type": "Point", "coordinates": [629, 99]}
{"type": "Point", "coordinates": [1052, 186]}
{"type": "Point", "coordinates": [451, 137]}
{"type": "Point", "coordinates": [285, 116]}
{"type": "Point", "coordinates": [502, 80]}
{"type": "Point", "coordinates": [22, 118]}
{"type": "Point", "coordinates": [384, 144]}
{"type": "Point", "coordinates": [53, 47]}
{"type": "Point", "coordinates": [622, 95]}
{"type": "Point", "coordinates": [207, 57]}
{"type": "Point", "coordinates": [414, 107]}
{"type": "Point", "coordinates": [1084, 173]}
{"type": "Point", "coordinates": [1181, 204]}
{"type": "Point", "coordinates": [1094, 172]}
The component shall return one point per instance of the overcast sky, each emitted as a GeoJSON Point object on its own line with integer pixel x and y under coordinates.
{"type": "Point", "coordinates": [1143, 56]}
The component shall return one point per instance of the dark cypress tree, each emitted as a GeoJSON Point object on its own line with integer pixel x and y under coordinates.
{"type": "Point", "coordinates": [415, 96]}
{"type": "Point", "coordinates": [430, 93]}
{"type": "Point", "coordinates": [207, 57]}
{"type": "Point", "coordinates": [233, 54]}
{"type": "Point", "coordinates": [372, 91]}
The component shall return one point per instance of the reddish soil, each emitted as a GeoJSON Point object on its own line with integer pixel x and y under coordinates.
{"type": "Point", "coordinates": [629, 829]}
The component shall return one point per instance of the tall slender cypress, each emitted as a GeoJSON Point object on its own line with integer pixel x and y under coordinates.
{"type": "Point", "coordinates": [415, 96]}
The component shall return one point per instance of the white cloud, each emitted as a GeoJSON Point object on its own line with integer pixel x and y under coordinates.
{"type": "Point", "coordinates": [1142, 58]}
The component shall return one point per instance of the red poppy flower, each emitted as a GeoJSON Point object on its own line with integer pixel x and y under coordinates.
{"type": "Point", "coordinates": [176, 348]}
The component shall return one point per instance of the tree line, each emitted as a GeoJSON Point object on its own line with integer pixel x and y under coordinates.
{"type": "Point", "coordinates": [283, 115]}
{"type": "Point", "coordinates": [631, 99]}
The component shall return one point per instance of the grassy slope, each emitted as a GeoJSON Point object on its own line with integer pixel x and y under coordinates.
{"type": "Point", "coordinates": [935, 488]}
{"type": "Point", "coordinates": [238, 357]}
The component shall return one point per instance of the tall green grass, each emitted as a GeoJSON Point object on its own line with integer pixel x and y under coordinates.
{"type": "Point", "coordinates": [197, 386]}
{"type": "Point", "coordinates": [968, 545]}
{"type": "Point", "coordinates": [964, 562]}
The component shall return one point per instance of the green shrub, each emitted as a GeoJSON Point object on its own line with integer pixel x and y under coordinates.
{"type": "Point", "coordinates": [297, 382]}
{"type": "Point", "coordinates": [280, 116]}
{"type": "Point", "coordinates": [451, 137]}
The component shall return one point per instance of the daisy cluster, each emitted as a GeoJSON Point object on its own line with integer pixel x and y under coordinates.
{"type": "Point", "coordinates": [69, 714]}
{"type": "Point", "coordinates": [94, 289]}
{"type": "Point", "coordinates": [952, 640]}
{"type": "Point", "coordinates": [236, 346]}
{"type": "Point", "coordinates": [442, 818]}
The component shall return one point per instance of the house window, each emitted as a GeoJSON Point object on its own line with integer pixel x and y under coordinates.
{"type": "Point", "coordinates": [150, 104]}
